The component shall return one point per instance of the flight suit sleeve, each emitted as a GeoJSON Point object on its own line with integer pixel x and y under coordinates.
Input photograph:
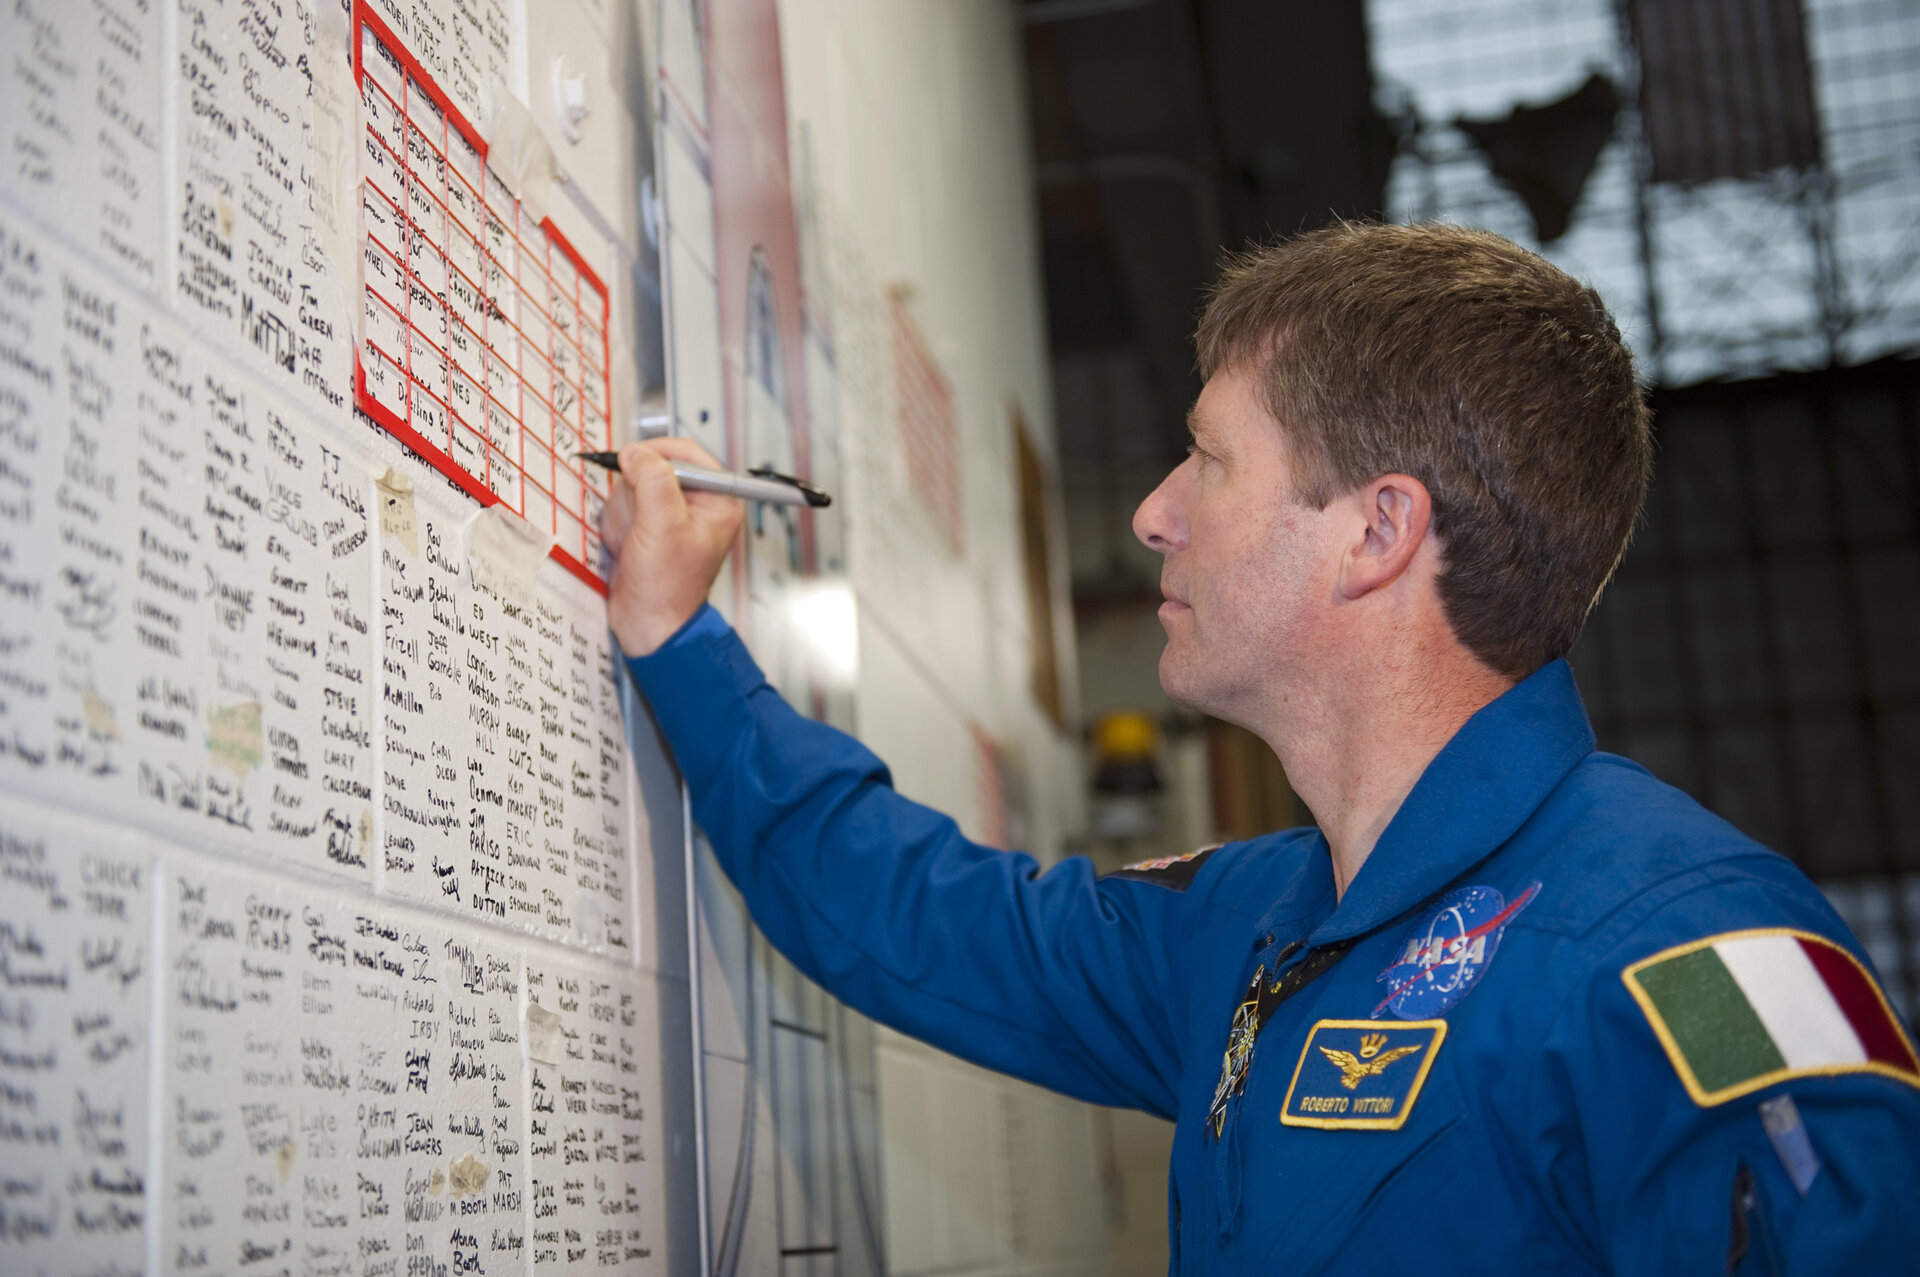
{"type": "Point", "coordinates": [1645, 1123]}
{"type": "Point", "coordinates": [1057, 977]}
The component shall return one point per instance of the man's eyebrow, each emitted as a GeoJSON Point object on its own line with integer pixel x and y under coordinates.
{"type": "Point", "coordinates": [1200, 431]}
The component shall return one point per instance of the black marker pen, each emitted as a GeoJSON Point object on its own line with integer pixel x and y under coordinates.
{"type": "Point", "coordinates": [756, 485]}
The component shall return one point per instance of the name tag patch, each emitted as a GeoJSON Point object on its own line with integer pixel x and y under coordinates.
{"type": "Point", "coordinates": [1361, 1075]}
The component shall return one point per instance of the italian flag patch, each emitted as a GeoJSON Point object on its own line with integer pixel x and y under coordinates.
{"type": "Point", "coordinates": [1744, 1010]}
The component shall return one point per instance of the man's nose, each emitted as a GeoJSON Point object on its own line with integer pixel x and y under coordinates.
{"type": "Point", "coordinates": [1159, 523]}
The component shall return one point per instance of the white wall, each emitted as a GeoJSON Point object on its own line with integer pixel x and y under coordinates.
{"type": "Point", "coordinates": [909, 137]}
{"type": "Point", "coordinates": [142, 170]}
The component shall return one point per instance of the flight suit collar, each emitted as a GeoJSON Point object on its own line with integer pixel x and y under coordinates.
{"type": "Point", "coordinates": [1475, 794]}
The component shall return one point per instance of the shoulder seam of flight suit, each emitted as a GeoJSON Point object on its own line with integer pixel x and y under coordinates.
{"type": "Point", "coordinates": [1710, 871]}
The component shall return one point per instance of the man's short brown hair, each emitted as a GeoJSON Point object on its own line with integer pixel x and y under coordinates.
{"type": "Point", "coordinates": [1478, 368]}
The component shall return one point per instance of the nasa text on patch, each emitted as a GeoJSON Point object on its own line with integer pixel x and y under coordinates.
{"type": "Point", "coordinates": [1448, 951]}
{"type": "Point", "coordinates": [1361, 1075]}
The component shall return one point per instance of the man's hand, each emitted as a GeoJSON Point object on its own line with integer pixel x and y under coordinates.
{"type": "Point", "coordinates": [667, 545]}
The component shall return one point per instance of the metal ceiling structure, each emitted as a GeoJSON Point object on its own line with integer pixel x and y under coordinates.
{"type": "Point", "coordinates": [1756, 207]}
{"type": "Point", "coordinates": [1769, 222]}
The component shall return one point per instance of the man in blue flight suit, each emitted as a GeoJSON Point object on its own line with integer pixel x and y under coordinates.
{"type": "Point", "coordinates": [1512, 1004]}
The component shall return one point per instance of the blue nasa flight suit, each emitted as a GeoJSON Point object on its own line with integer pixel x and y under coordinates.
{"type": "Point", "coordinates": [1550, 1133]}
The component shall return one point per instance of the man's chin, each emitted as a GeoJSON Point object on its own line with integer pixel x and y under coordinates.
{"type": "Point", "coordinates": [1177, 681]}
{"type": "Point", "coordinates": [1187, 684]}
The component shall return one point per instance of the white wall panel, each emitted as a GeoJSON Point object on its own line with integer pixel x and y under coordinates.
{"type": "Point", "coordinates": [345, 924]}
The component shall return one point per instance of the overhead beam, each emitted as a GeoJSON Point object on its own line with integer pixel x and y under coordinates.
{"type": "Point", "coordinates": [1044, 11]}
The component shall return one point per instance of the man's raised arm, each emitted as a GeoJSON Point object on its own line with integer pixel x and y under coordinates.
{"type": "Point", "coordinates": [1057, 978]}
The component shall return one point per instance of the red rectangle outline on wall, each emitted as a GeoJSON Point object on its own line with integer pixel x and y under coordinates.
{"type": "Point", "coordinates": [415, 442]}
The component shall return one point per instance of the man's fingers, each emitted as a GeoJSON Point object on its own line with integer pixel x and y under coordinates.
{"type": "Point", "coordinates": [673, 544]}
{"type": "Point", "coordinates": [655, 497]}
{"type": "Point", "coordinates": [616, 515]}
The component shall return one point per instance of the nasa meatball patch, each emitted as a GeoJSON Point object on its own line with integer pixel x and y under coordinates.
{"type": "Point", "coordinates": [1445, 955]}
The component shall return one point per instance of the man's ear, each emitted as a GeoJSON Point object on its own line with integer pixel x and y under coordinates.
{"type": "Point", "coordinates": [1397, 511]}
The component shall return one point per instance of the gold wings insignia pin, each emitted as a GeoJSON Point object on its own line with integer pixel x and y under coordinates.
{"type": "Point", "coordinates": [1354, 1070]}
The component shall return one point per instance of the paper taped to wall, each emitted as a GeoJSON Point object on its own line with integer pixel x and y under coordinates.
{"type": "Point", "coordinates": [517, 150]}
{"type": "Point", "coordinates": [543, 1034]}
{"type": "Point", "coordinates": [504, 551]}
{"type": "Point", "coordinates": [397, 517]}
{"type": "Point", "coordinates": [334, 183]}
